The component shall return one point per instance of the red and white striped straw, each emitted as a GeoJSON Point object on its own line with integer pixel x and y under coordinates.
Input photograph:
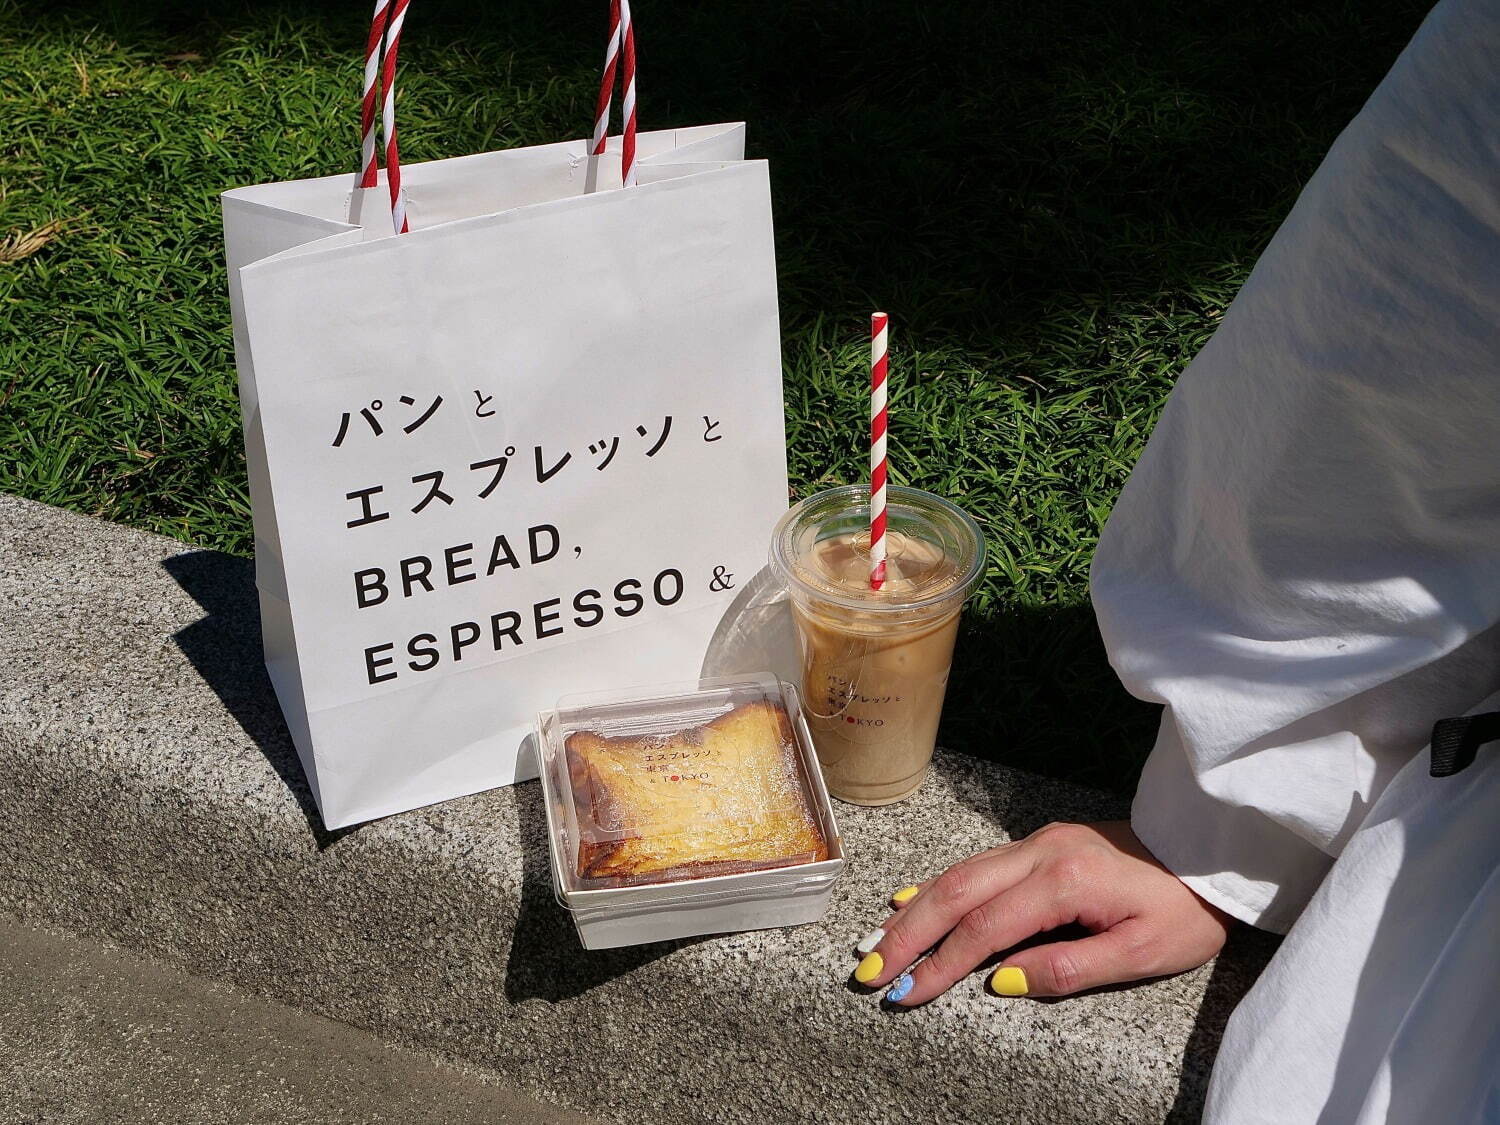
{"type": "Point", "coordinates": [879, 343]}
{"type": "Point", "coordinates": [388, 114]}
{"type": "Point", "coordinates": [607, 86]}
{"type": "Point", "coordinates": [627, 102]}
{"type": "Point", "coordinates": [368, 162]}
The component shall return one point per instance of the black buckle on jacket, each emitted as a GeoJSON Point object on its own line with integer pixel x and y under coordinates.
{"type": "Point", "coordinates": [1455, 741]}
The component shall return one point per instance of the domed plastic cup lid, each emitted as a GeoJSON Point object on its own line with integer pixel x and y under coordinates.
{"type": "Point", "coordinates": [934, 550]}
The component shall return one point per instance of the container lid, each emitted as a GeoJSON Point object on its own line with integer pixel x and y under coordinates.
{"type": "Point", "coordinates": [934, 550]}
{"type": "Point", "coordinates": [681, 784]}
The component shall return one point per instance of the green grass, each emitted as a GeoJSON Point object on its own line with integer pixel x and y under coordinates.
{"type": "Point", "coordinates": [1054, 201]}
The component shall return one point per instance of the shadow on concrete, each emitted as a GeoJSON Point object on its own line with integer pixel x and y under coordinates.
{"type": "Point", "coordinates": [225, 648]}
{"type": "Point", "coordinates": [1237, 967]}
{"type": "Point", "coordinates": [1021, 810]}
{"type": "Point", "coordinates": [547, 961]}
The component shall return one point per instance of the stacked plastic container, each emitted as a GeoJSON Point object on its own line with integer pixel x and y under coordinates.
{"type": "Point", "coordinates": [685, 810]}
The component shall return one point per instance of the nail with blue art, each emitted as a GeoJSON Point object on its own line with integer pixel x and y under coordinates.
{"type": "Point", "coordinates": [900, 988]}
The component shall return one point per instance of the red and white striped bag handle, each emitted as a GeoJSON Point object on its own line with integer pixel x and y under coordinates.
{"type": "Point", "coordinates": [621, 53]}
{"type": "Point", "coordinates": [380, 58]}
{"type": "Point", "coordinates": [381, 48]}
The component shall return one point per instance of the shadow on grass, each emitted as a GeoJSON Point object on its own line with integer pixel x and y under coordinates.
{"type": "Point", "coordinates": [1015, 182]}
{"type": "Point", "coordinates": [973, 164]}
{"type": "Point", "coordinates": [1031, 688]}
{"type": "Point", "coordinates": [225, 648]}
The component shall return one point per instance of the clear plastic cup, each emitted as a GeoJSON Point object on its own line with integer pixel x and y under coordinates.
{"type": "Point", "coordinates": [875, 663]}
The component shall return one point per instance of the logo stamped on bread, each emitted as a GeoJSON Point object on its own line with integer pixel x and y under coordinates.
{"type": "Point", "coordinates": [642, 819]}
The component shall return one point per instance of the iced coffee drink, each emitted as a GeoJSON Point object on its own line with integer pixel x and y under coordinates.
{"type": "Point", "coordinates": [875, 662]}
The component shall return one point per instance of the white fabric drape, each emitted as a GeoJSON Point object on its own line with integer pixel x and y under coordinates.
{"type": "Point", "coordinates": [1305, 569]}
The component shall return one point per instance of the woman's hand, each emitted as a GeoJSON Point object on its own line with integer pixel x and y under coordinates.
{"type": "Point", "coordinates": [1144, 920]}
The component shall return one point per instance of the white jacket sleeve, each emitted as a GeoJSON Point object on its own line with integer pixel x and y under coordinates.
{"type": "Point", "coordinates": [1305, 565]}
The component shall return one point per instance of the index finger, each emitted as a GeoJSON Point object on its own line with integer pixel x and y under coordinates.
{"type": "Point", "coordinates": [919, 926]}
{"type": "Point", "coordinates": [905, 895]}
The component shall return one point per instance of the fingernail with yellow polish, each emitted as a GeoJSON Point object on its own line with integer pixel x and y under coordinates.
{"type": "Point", "coordinates": [1008, 980]}
{"type": "Point", "coordinates": [869, 968]}
{"type": "Point", "coordinates": [905, 895]}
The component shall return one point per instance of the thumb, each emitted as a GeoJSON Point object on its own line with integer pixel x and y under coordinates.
{"type": "Point", "coordinates": [1062, 968]}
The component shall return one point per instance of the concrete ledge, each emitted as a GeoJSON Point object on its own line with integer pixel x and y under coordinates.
{"type": "Point", "coordinates": [92, 1035]}
{"type": "Point", "coordinates": [150, 796]}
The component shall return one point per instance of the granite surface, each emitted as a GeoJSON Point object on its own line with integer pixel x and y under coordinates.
{"type": "Point", "coordinates": [151, 797]}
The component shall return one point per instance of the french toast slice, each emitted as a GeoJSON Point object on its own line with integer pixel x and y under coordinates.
{"type": "Point", "coordinates": [728, 795]}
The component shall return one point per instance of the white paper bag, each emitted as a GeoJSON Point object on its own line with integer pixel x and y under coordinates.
{"type": "Point", "coordinates": [531, 447]}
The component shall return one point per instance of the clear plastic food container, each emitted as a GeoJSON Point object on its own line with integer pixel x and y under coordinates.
{"type": "Point", "coordinates": [686, 809]}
